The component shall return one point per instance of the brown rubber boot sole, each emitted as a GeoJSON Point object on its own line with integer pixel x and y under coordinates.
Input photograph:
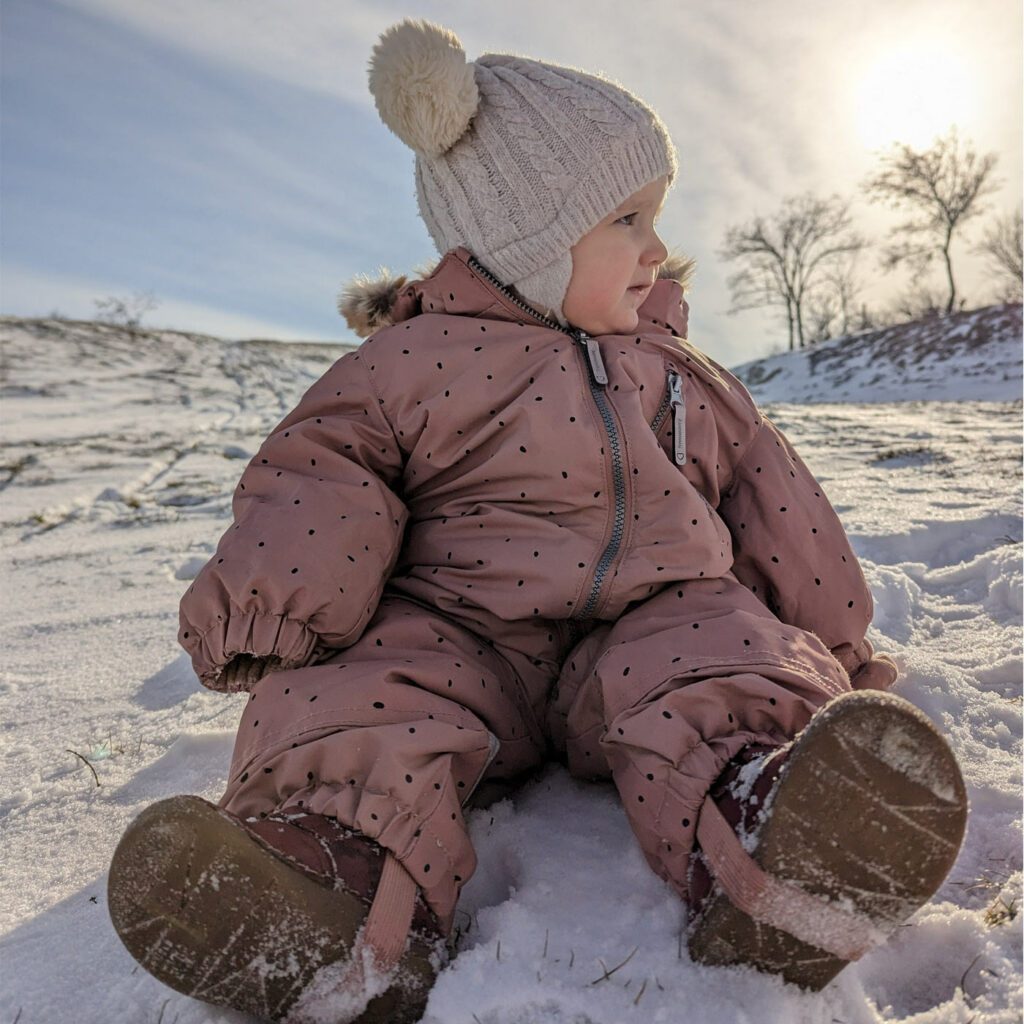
{"type": "Point", "coordinates": [870, 810]}
{"type": "Point", "coordinates": [211, 912]}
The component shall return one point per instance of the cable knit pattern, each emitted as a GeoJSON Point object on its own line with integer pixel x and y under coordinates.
{"type": "Point", "coordinates": [602, 103]}
{"type": "Point", "coordinates": [550, 152]}
{"type": "Point", "coordinates": [476, 208]}
{"type": "Point", "coordinates": [510, 99]}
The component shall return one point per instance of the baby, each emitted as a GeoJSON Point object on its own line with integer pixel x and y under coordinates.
{"type": "Point", "coordinates": [528, 520]}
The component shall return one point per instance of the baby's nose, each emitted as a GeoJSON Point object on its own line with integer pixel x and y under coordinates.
{"type": "Point", "coordinates": [656, 251]}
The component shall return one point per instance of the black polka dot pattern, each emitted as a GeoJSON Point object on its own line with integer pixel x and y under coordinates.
{"type": "Point", "coordinates": [465, 454]}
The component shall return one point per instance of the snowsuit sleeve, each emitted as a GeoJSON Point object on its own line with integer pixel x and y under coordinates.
{"type": "Point", "coordinates": [316, 532]}
{"type": "Point", "coordinates": [791, 550]}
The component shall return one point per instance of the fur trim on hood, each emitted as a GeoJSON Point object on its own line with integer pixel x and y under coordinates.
{"type": "Point", "coordinates": [678, 267]}
{"type": "Point", "coordinates": [367, 302]}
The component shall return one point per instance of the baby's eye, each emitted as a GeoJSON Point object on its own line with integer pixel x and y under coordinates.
{"type": "Point", "coordinates": [627, 219]}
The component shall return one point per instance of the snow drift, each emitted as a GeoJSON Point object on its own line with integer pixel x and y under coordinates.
{"type": "Point", "coordinates": [121, 450]}
{"type": "Point", "coordinates": [974, 355]}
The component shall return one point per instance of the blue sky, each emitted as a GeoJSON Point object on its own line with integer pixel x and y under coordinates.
{"type": "Point", "coordinates": [225, 156]}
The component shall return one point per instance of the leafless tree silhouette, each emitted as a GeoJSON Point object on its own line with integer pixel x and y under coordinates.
{"type": "Point", "coordinates": [125, 312]}
{"type": "Point", "coordinates": [795, 258]}
{"type": "Point", "coordinates": [943, 187]}
{"type": "Point", "coordinates": [1003, 248]}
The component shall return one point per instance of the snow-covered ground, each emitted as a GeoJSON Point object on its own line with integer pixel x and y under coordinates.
{"type": "Point", "coordinates": [973, 355]}
{"type": "Point", "coordinates": [121, 452]}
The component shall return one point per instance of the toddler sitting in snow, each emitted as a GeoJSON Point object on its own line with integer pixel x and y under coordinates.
{"type": "Point", "coordinates": [526, 519]}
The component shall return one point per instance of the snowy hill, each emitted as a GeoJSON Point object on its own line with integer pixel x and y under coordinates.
{"type": "Point", "coordinates": [975, 355]}
{"type": "Point", "coordinates": [120, 453]}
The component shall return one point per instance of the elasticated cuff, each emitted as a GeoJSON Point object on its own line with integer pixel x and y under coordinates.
{"type": "Point", "coordinates": [247, 633]}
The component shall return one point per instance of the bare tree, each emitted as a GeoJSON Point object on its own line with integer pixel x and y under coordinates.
{"type": "Point", "coordinates": [820, 317]}
{"type": "Point", "coordinates": [789, 257]}
{"type": "Point", "coordinates": [1003, 248]}
{"type": "Point", "coordinates": [125, 312]}
{"type": "Point", "coordinates": [920, 303]}
{"type": "Point", "coordinates": [832, 311]}
{"type": "Point", "coordinates": [943, 187]}
{"type": "Point", "coordinates": [842, 278]}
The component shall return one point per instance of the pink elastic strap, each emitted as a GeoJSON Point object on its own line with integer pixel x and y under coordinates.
{"type": "Point", "coordinates": [383, 937]}
{"type": "Point", "coordinates": [765, 898]}
{"type": "Point", "coordinates": [387, 926]}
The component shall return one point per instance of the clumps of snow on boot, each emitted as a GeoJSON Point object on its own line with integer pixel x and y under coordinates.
{"type": "Point", "coordinates": [342, 991]}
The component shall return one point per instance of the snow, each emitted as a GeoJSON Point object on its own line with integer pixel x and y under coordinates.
{"type": "Point", "coordinates": [341, 990]}
{"type": "Point", "coordinates": [121, 452]}
{"type": "Point", "coordinates": [972, 355]}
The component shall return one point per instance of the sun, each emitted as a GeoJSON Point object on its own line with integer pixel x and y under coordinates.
{"type": "Point", "coordinates": [911, 94]}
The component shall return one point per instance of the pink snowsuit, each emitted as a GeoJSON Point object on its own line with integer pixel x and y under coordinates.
{"type": "Point", "coordinates": [481, 540]}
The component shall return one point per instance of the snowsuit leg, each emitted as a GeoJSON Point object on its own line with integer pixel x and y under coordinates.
{"type": "Point", "coordinates": [390, 736]}
{"type": "Point", "coordinates": [666, 696]}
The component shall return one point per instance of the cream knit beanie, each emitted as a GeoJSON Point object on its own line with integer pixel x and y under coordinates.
{"type": "Point", "coordinates": [515, 159]}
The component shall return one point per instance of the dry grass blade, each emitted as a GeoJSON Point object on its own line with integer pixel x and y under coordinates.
{"type": "Point", "coordinates": [608, 973]}
{"type": "Point", "coordinates": [86, 762]}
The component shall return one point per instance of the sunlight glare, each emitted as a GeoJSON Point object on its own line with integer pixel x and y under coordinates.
{"type": "Point", "coordinates": [911, 95]}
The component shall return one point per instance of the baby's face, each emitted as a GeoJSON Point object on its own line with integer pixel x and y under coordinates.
{"type": "Point", "coordinates": [615, 265]}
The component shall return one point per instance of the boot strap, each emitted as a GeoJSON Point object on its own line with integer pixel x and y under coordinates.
{"type": "Point", "coordinates": [390, 917]}
{"type": "Point", "coordinates": [812, 919]}
{"type": "Point", "coordinates": [374, 955]}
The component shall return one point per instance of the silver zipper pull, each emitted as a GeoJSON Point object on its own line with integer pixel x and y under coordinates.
{"type": "Point", "coordinates": [596, 362]}
{"type": "Point", "coordinates": [675, 386]}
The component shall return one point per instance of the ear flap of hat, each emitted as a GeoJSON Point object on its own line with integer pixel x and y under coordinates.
{"type": "Point", "coordinates": [545, 289]}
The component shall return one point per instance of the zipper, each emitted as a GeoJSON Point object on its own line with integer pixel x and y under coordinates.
{"type": "Point", "coordinates": [597, 378]}
{"type": "Point", "coordinates": [666, 404]}
{"type": "Point", "coordinates": [513, 298]}
{"type": "Point", "coordinates": [673, 400]}
{"type": "Point", "coordinates": [675, 383]}
{"type": "Point", "coordinates": [594, 359]}
{"type": "Point", "coordinates": [577, 631]}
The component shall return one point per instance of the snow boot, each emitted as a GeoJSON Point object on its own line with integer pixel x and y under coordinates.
{"type": "Point", "coordinates": [810, 856]}
{"type": "Point", "coordinates": [292, 917]}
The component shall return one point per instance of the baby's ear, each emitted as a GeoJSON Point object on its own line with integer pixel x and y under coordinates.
{"type": "Point", "coordinates": [678, 267]}
{"type": "Point", "coordinates": [366, 302]}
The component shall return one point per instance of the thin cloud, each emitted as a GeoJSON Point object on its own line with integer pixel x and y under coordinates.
{"type": "Point", "coordinates": [79, 298]}
{"type": "Point", "coordinates": [240, 140]}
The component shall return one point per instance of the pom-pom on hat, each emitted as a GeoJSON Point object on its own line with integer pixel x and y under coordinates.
{"type": "Point", "coordinates": [515, 159]}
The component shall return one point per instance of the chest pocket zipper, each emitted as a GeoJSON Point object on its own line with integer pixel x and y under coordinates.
{"type": "Point", "coordinates": [674, 400]}
{"type": "Point", "coordinates": [675, 391]}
